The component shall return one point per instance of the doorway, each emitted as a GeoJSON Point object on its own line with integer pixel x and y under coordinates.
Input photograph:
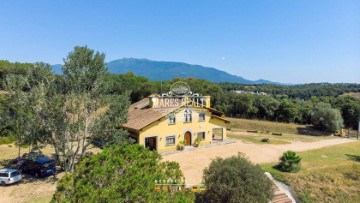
{"type": "Point", "coordinates": [217, 134]}
{"type": "Point", "coordinates": [150, 143]}
{"type": "Point", "coordinates": [187, 138]}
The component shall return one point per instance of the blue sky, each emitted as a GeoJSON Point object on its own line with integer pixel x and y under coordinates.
{"type": "Point", "coordinates": [279, 40]}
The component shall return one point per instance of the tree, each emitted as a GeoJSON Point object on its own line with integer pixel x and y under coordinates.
{"type": "Point", "coordinates": [18, 116]}
{"type": "Point", "coordinates": [326, 118]}
{"type": "Point", "coordinates": [287, 111]}
{"type": "Point", "coordinates": [350, 110]}
{"type": "Point", "coordinates": [290, 162]}
{"type": "Point", "coordinates": [106, 130]}
{"type": "Point", "coordinates": [267, 107]}
{"type": "Point", "coordinates": [235, 179]}
{"type": "Point", "coordinates": [124, 173]}
{"type": "Point", "coordinates": [86, 105]}
{"type": "Point", "coordinates": [71, 112]}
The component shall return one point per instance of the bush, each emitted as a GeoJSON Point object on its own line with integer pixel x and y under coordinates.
{"type": "Point", "coordinates": [6, 140]}
{"type": "Point", "coordinates": [235, 179]}
{"type": "Point", "coordinates": [122, 174]}
{"type": "Point", "coordinates": [280, 134]}
{"type": "Point", "coordinates": [326, 118]}
{"type": "Point", "coordinates": [197, 142]}
{"type": "Point", "coordinates": [290, 162]}
{"type": "Point", "coordinates": [181, 145]}
{"type": "Point", "coordinates": [265, 140]}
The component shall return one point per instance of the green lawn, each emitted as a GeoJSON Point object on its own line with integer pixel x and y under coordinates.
{"type": "Point", "coordinates": [330, 174]}
{"type": "Point", "coordinates": [256, 138]}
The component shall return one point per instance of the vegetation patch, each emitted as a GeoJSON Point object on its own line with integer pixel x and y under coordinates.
{"type": "Point", "coordinates": [257, 138]}
{"type": "Point", "coordinates": [235, 179]}
{"type": "Point", "coordinates": [327, 175]}
{"type": "Point", "coordinates": [6, 140]}
{"type": "Point", "coordinates": [271, 126]}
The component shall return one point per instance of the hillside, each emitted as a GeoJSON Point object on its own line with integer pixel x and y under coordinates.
{"type": "Point", "coordinates": [162, 70]}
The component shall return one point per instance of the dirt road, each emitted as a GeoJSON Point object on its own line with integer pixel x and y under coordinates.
{"type": "Point", "coordinates": [192, 163]}
{"type": "Point", "coordinates": [29, 190]}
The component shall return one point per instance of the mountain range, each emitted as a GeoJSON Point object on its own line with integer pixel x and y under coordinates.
{"type": "Point", "coordinates": [164, 70]}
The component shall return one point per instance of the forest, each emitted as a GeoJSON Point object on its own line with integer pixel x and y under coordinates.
{"type": "Point", "coordinates": [322, 104]}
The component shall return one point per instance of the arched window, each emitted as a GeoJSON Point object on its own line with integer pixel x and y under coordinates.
{"type": "Point", "coordinates": [188, 115]}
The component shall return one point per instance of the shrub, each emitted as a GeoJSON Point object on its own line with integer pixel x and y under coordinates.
{"type": "Point", "coordinates": [181, 145]}
{"type": "Point", "coordinates": [121, 174]}
{"type": "Point", "coordinates": [235, 179]}
{"type": "Point", "coordinates": [197, 142]}
{"type": "Point", "coordinates": [280, 134]}
{"type": "Point", "coordinates": [326, 118]}
{"type": "Point", "coordinates": [6, 140]}
{"type": "Point", "coordinates": [290, 162]}
{"type": "Point", "coordinates": [265, 140]}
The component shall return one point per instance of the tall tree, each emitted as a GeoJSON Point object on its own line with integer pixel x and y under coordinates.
{"type": "Point", "coordinates": [84, 71]}
{"type": "Point", "coordinates": [19, 116]}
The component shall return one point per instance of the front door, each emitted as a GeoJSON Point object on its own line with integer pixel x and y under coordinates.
{"type": "Point", "coordinates": [187, 138]}
{"type": "Point", "coordinates": [150, 142]}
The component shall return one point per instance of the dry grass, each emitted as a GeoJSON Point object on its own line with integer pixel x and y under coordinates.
{"type": "Point", "coordinates": [353, 94]}
{"type": "Point", "coordinates": [30, 190]}
{"type": "Point", "coordinates": [330, 174]}
{"type": "Point", "coordinates": [291, 132]}
{"type": "Point", "coordinates": [260, 125]}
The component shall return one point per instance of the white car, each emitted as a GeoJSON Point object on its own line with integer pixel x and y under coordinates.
{"type": "Point", "coordinates": [9, 176]}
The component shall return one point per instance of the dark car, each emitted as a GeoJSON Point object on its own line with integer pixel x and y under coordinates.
{"type": "Point", "coordinates": [39, 167]}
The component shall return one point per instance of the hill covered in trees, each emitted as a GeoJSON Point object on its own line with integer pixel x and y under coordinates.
{"type": "Point", "coordinates": [165, 70]}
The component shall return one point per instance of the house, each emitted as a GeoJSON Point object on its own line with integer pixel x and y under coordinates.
{"type": "Point", "coordinates": [161, 123]}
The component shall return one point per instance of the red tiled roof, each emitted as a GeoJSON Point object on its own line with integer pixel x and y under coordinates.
{"type": "Point", "coordinates": [140, 115]}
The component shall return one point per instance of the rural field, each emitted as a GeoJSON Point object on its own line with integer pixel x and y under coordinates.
{"type": "Point", "coordinates": [339, 158]}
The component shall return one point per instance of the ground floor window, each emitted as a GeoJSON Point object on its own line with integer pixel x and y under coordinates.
{"type": "Point", "coordinates": [201, 135]}
{"type": "Point", "coordinates": [170, 140]}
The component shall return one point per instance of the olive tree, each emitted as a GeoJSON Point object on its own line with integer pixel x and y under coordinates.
{"type": "Point", "coordinates": [326, 118]}
{"type": "Point", "coordinates": [126, 173]}
{"type": "Point", "coordinates": [235, 179]}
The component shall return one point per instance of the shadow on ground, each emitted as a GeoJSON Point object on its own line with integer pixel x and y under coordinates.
{"type": "Point", "coordinates": [309, 130]}
{"type": "Point", "coordinates": [353, 157]}
{"type": "Point", "coordinates": [27, 178]}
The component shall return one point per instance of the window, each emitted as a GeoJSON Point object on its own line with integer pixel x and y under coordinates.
{"type": "Point", "coordinates": [170, 140]}
{"type": "Point", "coordinates": [202, 116]}
{"type": "Point", "coordinates": [201, 135]}
{"type": "Point", "coordinates": [4, 175]}
{"type": "Point", "coordinates": [172, 118]}
{"type": "Point", "coordinates": [15, 173]}
{"type": "Point", "coordinates": [188, 115]}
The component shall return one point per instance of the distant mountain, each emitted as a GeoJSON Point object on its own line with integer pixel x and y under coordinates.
{"type": "Point", "coordinates": [162, 70]}
{"type": "Point", "coordinates": [57, 69]}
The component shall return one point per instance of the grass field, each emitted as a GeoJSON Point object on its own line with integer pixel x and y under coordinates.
{"type": "Point", "coordinates": [330, 174]}
{"type": "Point", "coordinates": [255, 130]}
{"type": "Point", "coordinates": [260, 125]}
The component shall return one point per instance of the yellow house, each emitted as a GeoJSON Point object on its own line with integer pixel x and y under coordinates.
{"type": "Point", "coordinates": [161, 123]}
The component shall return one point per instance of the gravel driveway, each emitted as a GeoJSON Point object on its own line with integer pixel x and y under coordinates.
{"type": "Point", "coordinates": [193, 162]}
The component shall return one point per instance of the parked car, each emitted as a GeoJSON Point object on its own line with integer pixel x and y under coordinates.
{"type": "Point", "coordinates": [9, 176]}
{"type": "Point", "coordinates": [39, 167]}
